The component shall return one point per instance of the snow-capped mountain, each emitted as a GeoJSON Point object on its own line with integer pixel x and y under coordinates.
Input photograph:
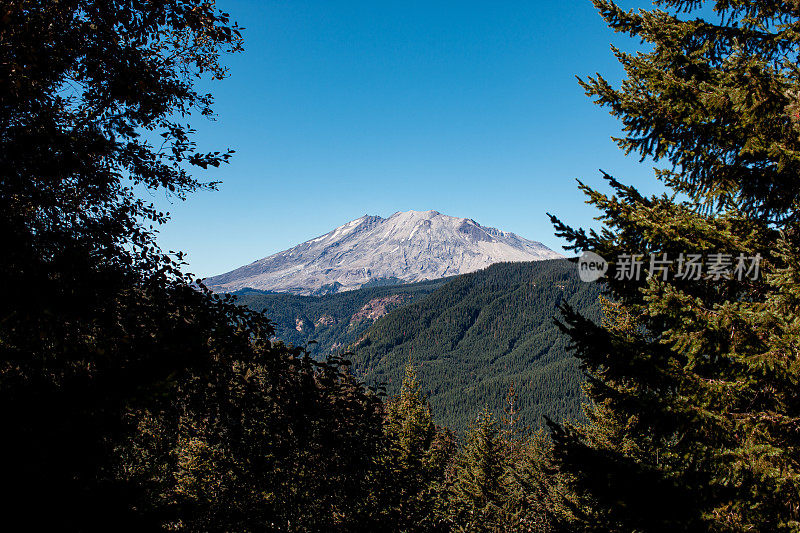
{"type": "Point", "coordinates": [406, 247]}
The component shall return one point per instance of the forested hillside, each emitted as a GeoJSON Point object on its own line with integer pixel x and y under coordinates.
{"type": "Point", "coordinates": [333, 321]}
{"type": "Point", "coordinates": [473, 337]}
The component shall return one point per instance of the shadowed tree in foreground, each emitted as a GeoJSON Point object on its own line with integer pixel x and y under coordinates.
{"type": "Point", "coordinates": [129, 399]}
{"type": "Point", "coordinates": [696, 408]}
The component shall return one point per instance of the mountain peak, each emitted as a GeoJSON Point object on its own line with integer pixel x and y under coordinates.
{"type": "Point", "coordinates": [408, 246]}
{"type": "Point", "coordinates": [421, 215]}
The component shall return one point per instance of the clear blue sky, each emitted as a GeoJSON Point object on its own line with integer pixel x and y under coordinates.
{"type": "Point", "coordinates": [343, 108]}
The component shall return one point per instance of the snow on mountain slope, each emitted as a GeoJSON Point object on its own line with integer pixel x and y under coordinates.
{"type": "Point", "coordinates": [408, 246]}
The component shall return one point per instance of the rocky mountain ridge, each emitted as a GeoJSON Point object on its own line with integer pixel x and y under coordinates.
{"type": "Point", "coordinates": [406, 247]}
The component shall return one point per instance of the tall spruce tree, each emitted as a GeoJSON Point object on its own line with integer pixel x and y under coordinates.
{"type": "Point", "coordinates": [418, 454]}
{"type": "Point", "coordinates": [528, 484]}
{"type": "Point", "coordinates": [479, 491]}
{"type": "Point", "coordinates": [694, 380]}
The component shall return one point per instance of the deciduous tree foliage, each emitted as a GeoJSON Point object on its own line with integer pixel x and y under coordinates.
{"type": "Point", "coordinates": [694, 382]}
{"type": "Point", "coordinates": [129, 397]}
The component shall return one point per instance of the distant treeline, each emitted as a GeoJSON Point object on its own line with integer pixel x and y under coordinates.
{"type": "Point", "coordinates": [474, 337]}
{"type": "Point", "coordinates": [328, 320]}
{"type": "Point", "coordinates": [470, 337]}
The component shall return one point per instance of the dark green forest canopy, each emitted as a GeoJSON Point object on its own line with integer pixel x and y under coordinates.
{"type": "Point", "coordinates": [329, 320]}
{"type": "Point", "coordinates": [469, 337]}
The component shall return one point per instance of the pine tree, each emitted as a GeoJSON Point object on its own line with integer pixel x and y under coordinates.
{"type": "Point", "coordinates": [409, 421]}
{"type": "Point", "coordinates": [528, 484]}
{"type": "Point", "coordinates": [417, 458]}
{"type": "Point", "coordinates": [510, 419]}
{"type": "Point", "coordinates": [479, 491]}
{"type": "Point", "coordinates": [536, 489]}
{"type": "Point", "coordinates": [693, 382]}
